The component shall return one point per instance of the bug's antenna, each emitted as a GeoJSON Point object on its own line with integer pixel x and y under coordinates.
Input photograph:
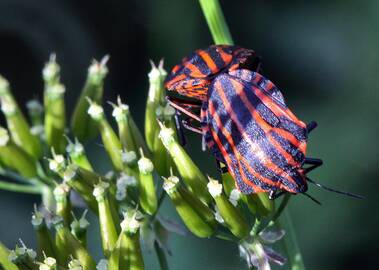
{"type": "Point", "coordinates": [310, 197]}
{"type": "Point", "coordinates": [335, 190]}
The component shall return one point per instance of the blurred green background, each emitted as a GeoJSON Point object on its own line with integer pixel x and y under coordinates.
{"type": "Point", "coordinates": [323, 55]}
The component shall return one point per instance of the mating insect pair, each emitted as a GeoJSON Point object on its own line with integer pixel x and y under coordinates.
{"type": "Point", "coordinates": [243, 119]}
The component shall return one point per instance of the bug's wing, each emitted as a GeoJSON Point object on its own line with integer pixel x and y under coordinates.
{"type": "Point", "coordinates": [249, 131]}
{"type": "Point", "coordinates": [272, 99]}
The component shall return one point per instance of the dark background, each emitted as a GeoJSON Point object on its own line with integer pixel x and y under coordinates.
{"type": "Point", "coordinates": [322, 54]}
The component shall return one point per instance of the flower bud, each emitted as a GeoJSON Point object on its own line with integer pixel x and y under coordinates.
{"type": "Point", "coordinates": [162, 159]}
{"type": "Point", "coordinates": [55, 116]}
{"type": "Point", "coordinates": [23, 257]}
{"type": "Point", "coordinates": [35, 112]}
{"type": "Point", "coordinates": [154, 98]}
{"type": "Point", "coordinates": [45, 244]}
{"type": "Point", "coordinates": [51, 71]}
{"type": "Point", "coordinates": [107, 223]}
{"type": "Point", "coordinates": [14, 157]}
{"type": "Point", "coordinates": [17, 124]}
{"type": "Point", "coordinates": [191, 174]}
{"type": "Point", "coordinates": [122, 116]}
{"type": "Point", "coordinates": [110, 140]}
{"type": "Point", "coordinates": [189, 208]}
{"type": "Point", "coordinates": [79, 228]}
{"type": "Point", "coordinates": [156, 108]}
{"type": "Point", "coordinates": [82, 125]}
{"type": "Point", "coordinates": [129, 245]}
{"type": "Point", "coordinates": [68, 245]}
{"type": "Point", "coordinates": [74, 177]}
{"type": "Point", "coordinates": [129, 159]}
{"type": "Point", "coordinates": [77, 154]}
{"type": "Point", "coordinates": [63, 204]}
{"type": "Point", "coordinates": [102, 265]}
{"type": "Point", "coordinates": [75, 264]}
{"type": "Point", "coordinates": [49, 263]}
{"type": "Point", "coordinates": [235, 196]}
{"type": "Point", "coordinates": [231, 215]}
{"type": "Point", "coordinates": [123, 183]}
{"type": "Point", "coordinates": [57, 164]}
{"type": "Point", "coordinates": [148, 198]}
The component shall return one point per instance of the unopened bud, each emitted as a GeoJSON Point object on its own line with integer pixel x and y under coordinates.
{"type": "Point", "coordinates": [51, 71]}
{"type": "Point", "coordinates": [198, 218]}
{"type": "Point", "coordinates": [231, 215]}
{"type": "Point", "coordinates": [83, 126]}
{"type": "Point", "coordinates": [191, 174]}
{"type": "Point", "coordinates": [17, 124]}
{"type": "Point", "coordinates": [14, 157]}
{"type": "Point", "coordinates": [107, 223]}
{"type": "Point", "coordinates": [96, 111]}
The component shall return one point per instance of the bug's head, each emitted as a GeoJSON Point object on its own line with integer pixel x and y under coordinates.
{"type": "Point", "coordinates": [193, 75]}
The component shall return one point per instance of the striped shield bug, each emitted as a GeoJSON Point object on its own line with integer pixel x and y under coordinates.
{"type": "Point", "coordinates": [243, 119]}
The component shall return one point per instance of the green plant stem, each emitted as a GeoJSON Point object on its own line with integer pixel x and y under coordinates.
{"type": "Point", "coordinates": [216, 21]}
{"type": "Point", "coordinates": [226, 237]}
{"type": "Point", "coordinates": [161, 254]}
{"type": "Point", "coordinates": [221, 35]}
{"type": "Point", "coordinates": [5, 263]}
{"type": "Point", "coordinates": [277, 213]}
{"type": "Point", "coordinates": [291, 247]}
{"type": "Point", "coordinates": [20, 188]}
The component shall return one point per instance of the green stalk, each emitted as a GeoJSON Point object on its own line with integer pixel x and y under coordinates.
{"type": "Point", "coordinates": [216, 21]}
{"type": "Point", "coordinates": [162, 259]}
{"type": "Point", "coordinates": [4, 261]}
{"type": "Point", "coordinates": [295, 259]}
{"type": "Point", "coordinates": [20, 188]}
{"type": "Point", "coordinates": [107, 223]}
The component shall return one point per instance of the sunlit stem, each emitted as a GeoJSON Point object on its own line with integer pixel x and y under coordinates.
{"type": "Point", "coordinates": [216, 21]}
{"type": "Point", "coordinates": [295, 259]}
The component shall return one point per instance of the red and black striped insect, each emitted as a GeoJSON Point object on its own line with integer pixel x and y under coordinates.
{"type": "Point", "coordinates": [243, 119]}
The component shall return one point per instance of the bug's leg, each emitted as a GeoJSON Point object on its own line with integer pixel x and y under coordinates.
{"type": "Point", "coordinates": [221, 169]}
{"type": "Point", "coordinates": [179, 107]}
{"type": "Point", "coordinates": [179, 129]}
{"type": "Point", "coordinates": [186, 124]}
{"type": "Point", "coordinates": [314, 162]}
{"type": "Point", "coordinates": [311, 126]}
{"type": "Point", "coordinates": [258, 61]}
{"type": "Point", "coordinates": [195, 103]}
{"type": "Point", "coordinates": [274, 194]}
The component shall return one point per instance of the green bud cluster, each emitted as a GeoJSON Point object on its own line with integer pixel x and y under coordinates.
{"type": "Point", "coordinates": [145, 170]}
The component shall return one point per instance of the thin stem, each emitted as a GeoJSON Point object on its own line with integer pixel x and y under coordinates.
{"type": "Point", "coordinates": [161, 254]}
{"type": "Point", "coordinates": [20, 188]}
{"type": "Point", "coordinates": [160, 201]}
{"type": "Point", "coordinates": [294, 256]}
{"type": "Point", "coordinates": [227, 237]}
{"type": "Point", "coordinates": [280, 209]}
{"type": "Point", "coordinates": [13, 176]}
{"type": "Point", "coordinates": [216, 21]}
